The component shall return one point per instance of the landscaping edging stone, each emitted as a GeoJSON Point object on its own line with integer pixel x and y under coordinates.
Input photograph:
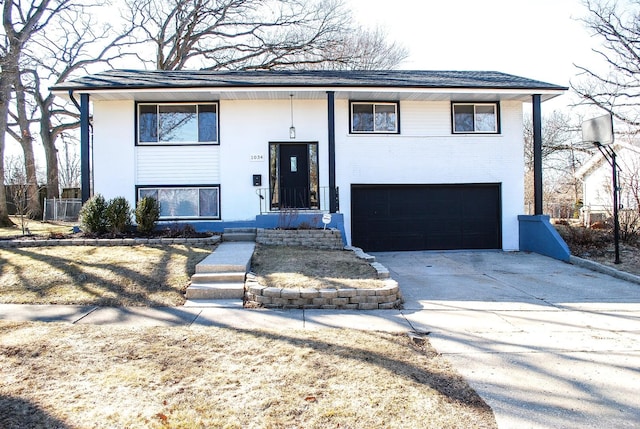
{"type": "Point", "coordinates": [329, 239]}
{"type": "Point", "coordinates": [385, 298]}
{"type": "Point", "coordinates": [107, 241]}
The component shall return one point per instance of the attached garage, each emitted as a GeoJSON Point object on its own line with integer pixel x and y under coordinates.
{"type": "Point", "coordinates": [426, 217]}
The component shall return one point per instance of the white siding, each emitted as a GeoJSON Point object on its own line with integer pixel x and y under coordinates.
{"type": "Point", "coordinates": [178, 165]}
{"type": "Point", "coordinates": [113, 149]}
{"type": "Point", "coordinates": [427, 153]}
{"type": "Point", "coordinates": [246, 128]}
{"type": "Point", "coordinates": [421, 119]}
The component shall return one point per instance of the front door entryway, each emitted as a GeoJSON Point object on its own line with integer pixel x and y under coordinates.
{"type": "Point", "coordinates": [294, 175]}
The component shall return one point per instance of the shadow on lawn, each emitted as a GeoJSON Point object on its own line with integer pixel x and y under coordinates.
{"type": "Point", "coordinates": [19, 413]}
{"type": "Point", "coordinates": [449, 384]}
{"type": "Point", "coordinates": [96, 279]}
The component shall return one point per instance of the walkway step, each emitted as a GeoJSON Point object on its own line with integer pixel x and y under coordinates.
{"type": "Point", "coordinates": [221, 274]}
{"type": "Point", "coordinates": [228, 257]}
{"type": "Point", "coordinates": [236, 230]}
{"type": "Point", "coordinates": [239, 234]}
{"type": "Point", "coordinates": [215, 303]}
{"type": "Point", "coordinates": [224, 277]}
{"type": "Point", "coordinates": [215, 291]}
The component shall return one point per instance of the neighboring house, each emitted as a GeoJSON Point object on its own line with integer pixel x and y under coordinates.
{"type": "Point", "coordinates": [403, 159]}
{"type": "Point", "coordinates": [597, 182]}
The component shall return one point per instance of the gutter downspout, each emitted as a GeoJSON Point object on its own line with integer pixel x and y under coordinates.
{"type": "Point", "coordinates": [85, 178]}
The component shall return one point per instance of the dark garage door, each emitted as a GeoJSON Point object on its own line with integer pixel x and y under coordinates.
{"type": "Point", "coordinates": [425, 217]}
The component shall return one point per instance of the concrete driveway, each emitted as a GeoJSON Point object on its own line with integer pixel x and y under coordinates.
{"type": "Point", "coordinates": [545, 343]}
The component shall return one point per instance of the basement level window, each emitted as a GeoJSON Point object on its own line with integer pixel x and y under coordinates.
{"type": "Point", "coordinates": [185, 202]}
{"type": "Point", "coordinates": [174, 124]}
{"type": "Point", "coordinates": [475, 118]}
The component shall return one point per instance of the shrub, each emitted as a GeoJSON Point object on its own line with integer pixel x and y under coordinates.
{"type": "Point", "coordinates": [147, 214]}
{"type": "Point", "coordinates": [118, 215]}
{"type": "Point", "coordinates": [93, 215]}
{"type": "Point", "coordinates": [177, 230]}
{"type": "Point", "coordinates": [629, 221]}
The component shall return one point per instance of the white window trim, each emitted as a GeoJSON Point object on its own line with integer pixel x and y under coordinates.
{"type": "Point", "coordinates": [396, 106]}
{"type": "Point", "coordinates": [186, 187]}
{"type": "Point", "coordinates": [176, 143]}
{"type": "Point", "coordinates": [496, 107]}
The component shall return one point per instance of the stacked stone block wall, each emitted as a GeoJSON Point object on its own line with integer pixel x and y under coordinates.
{"type": "Point", "coordinates": [386, 297]}
{"type": "Point", "coordinates": [316, 238]}
{"type": "Point", "coordinates": [106, 241]}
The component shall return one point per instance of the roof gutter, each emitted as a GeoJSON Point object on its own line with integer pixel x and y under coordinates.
{"type": "Point", "coordinates": [73, 100]}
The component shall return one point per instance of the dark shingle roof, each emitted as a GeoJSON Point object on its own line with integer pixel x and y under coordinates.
{"type": "Point", "coordinates": [141, 79]}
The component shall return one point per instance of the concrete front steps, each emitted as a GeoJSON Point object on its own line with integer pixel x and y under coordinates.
{"type": "Point", "coordinates": [221, 275]}
{"type": "Point", "coordinates": [239, 234]}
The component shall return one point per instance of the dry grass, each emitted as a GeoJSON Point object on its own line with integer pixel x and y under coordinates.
{"type": "Point", "coordinates": [291, 267]}
{"type": "Point", "coordinates": [111, 276]}
{"type": "Point", "coordinates": [35, 228]}
{"type": "Point", "coordinates": [75, 376]}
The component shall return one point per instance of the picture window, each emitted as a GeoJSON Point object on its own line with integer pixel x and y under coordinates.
{"type": "Point", "coordinates": [178, 123]}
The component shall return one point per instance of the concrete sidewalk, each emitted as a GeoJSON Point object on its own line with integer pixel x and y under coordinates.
{"type": "Point", "coordinates": [223, 313]}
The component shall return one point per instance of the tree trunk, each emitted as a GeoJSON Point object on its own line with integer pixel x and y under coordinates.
{"type": "Point", "coordinates": [51, 155]}
{"type": "Point", "coordinates": [5, 96]}
{"type": "Point", "coordinates": [33, 208]}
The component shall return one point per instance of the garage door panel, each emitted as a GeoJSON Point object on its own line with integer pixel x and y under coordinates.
{"type": "Point", "coordinates": [429, 217]}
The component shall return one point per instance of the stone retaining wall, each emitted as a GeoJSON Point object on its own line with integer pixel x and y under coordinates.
{"type": "Point", "coordinates": [106, 241]}
{"type": "Point", "coordinates": [385, 298]}
{"type": "Point", "coordinates": [316, 238]}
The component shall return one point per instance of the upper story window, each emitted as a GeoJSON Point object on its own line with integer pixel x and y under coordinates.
{"type": "Point", "coordinates": [177, 123]}
{"type": "Point", "coordinates": [367, 117]}
{"type": "Point", "coordinates": [475, 117]}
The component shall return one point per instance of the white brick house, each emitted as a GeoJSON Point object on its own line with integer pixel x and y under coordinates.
{"type": "Point", "coordinates": [403, 159]}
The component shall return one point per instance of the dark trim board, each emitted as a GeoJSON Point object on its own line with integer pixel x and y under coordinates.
{"type": "Point", "coordinates": [426, 217]}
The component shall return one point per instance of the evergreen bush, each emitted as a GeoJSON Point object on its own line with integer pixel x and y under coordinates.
{"type": "Point", "coordinates": [118, 215]}
{"type": "Point", "coordinates": [93, 217]}
{"type": "Point", "coordinates": [147, 214]}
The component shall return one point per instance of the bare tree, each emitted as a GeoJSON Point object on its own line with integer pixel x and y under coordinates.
{"type": "Point", "coordinates": [21, 22]}
{"type": "Point", "coordinates": [78, 44]}
{"type": "Point", "coordinates": [617, 89]}
{"type": "Point", "coordinates": [17, 183]}
{"type": "Point", "coordinates": [22, 134]}
{"type": "Point", "coordinates": [562, 155]}
{"type": "Point", "coordinates": [255, 34]}
{"type": "Point", "coordinates": [365, 49]}
{"type": "Point", "coordinates": [69, 161]}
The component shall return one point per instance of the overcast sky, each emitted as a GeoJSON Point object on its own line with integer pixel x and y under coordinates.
{"type": "Point", "coordinates": [538, 39]}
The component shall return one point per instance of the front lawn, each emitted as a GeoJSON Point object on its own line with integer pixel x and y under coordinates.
{"type": "Point", "coordinates": [83, 376]}
{"type": "Point", "coordinates": [99, 275]}
{"type": "Point", "coordinates": [303, 267]}
{"type": "Point", "coordinates": [34, 227]}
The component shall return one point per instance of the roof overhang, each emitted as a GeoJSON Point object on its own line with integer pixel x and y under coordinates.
{"type": "Point", "coordinates": [310, 93]}
{"type": "Point", "coordinates": [184, 85]}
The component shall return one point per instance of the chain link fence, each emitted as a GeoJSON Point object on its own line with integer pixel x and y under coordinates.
{"type": "Point", "coordinates": [61, 209]}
